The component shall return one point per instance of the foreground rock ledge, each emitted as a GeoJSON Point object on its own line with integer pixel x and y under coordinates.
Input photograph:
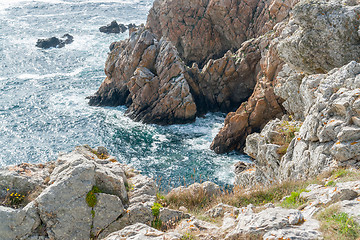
{"type": "Point", "coordinates": [59, 209]}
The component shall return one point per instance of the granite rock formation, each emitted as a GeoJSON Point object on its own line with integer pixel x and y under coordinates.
{"type": "Point", "coordinates": [325, 103]}
{"type": "Point", "coordinates": [328, 137]}
{"type": "Point", "coordinates": [58, 193]}
{"type": "Point", "coordinates": [219, 67]}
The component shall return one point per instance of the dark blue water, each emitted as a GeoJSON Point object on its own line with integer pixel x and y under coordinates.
{"type": "Point", "coordinates": [43, 109]}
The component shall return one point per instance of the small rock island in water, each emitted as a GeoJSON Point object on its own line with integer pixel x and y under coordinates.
{"type": "Point", "coordinates": [285, 72]}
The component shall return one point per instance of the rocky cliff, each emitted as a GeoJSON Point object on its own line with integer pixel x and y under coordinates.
{"type": "Point", "coordinates": [322, 133]}
{"type": "Point", "coordinates": [194, 57]}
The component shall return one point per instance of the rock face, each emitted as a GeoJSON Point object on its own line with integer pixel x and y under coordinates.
{"type": "Point", "coordinates": [324, 36]}
{"type": "Point", "coordinates": [63, 189]}
{"type": "Point", "coordinates": [320, 36]}
{"type": "Point", "coordinates": [55, 42]}
{"type": "Point", "coordinates": [262, 106]}
{"type": "Point", "coordinates": [147, 76]}
{"type": "Point", "coordinates": [204, 30]}
{"type": "Point", "coordinates": [203, 34]}
{"type": "Point", "coordinates": [113, 27]}
{"type": "Point", "coordinates": [328, 137]}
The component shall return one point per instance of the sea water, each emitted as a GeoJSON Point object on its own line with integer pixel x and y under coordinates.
{"type": "Point", "coordinates": [43, 106]}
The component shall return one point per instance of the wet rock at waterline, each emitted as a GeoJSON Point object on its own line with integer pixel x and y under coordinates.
{"type": "Point", "coordinates": [113, 27]}
{"type": "Point", "coordinates": [55, 42]}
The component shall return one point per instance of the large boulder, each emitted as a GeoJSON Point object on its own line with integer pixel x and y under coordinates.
{"type": "Point", "coordinates": [82, 187]}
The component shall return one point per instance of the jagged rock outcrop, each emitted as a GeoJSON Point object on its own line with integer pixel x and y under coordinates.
{"type": "Point", "coordinates": [113, 27]}
{"type": "Point", "coordinates": [60, 202]}
{"type": "Point", "coordinates": [199, 31]}
{"type": "Point", "coordinates": [55, 42]}
{"type": "Point", "coordinates": [262, 106]}
{"type": "Point", "coordinates": [204, 30]}
{"type": "Point", "coordinates": [328, 137]}
{"type": "Point", "coordinates": [147, 76]}
{"type": "Point", "coordinates": [309, 45]}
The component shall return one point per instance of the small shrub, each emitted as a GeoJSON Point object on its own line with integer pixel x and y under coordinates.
{"type": "Point", "coordinates": [338, 225]}
{"type": "Point", "coordinates": [156, 209]}
{"type": "Point", "coordinates": [128, 187]}
{"type": "Point", "coordinates": [156, 223]}
{"type": "Point", "coordinates": [91, 199]}
{"type": "Point", "coordinates": [294, 200]}
{"type": "Point", "coordinates": [100, 156]}
{"type": "Point", "coordinates": [287, 131]}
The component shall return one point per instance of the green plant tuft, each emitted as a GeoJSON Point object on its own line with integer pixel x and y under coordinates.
{"type": "Point", "coordinates": [338, 225]}
{"type": "Point", "coordinates": [294, 200]}
{"type": "Point", "coordinates": [188, 236]}
{"type": "Point", "coordinates": [156, 209]}
{"type": "Point", "coordinates": [156, 223]}
{"type": "Point", "coordinates": [91, 199]}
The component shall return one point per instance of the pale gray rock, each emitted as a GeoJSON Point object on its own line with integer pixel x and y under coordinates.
{"type": "Point", "coordinates": [220, 210]}
{"type": "Point", "coordinates": [324, 36]}
{"type": "Point", "coordinates": [141, 231]}
{"type": "Point", "coordinates": [60, 210]}
{"type": "Point", "coordinates": [207, 188]}
{"type": "Point", "coordinates": [107, 210]}
{"type": "Point", "coordinates": [264, 148]}
{"type": "Point", "coordinates": [170, 216]}
{"type": "Point", "coordinates": [293, 233]}
{"type": "Point", "coordinates": [265, 221]}
{"type": "Point", "coordinates": [352, 208]}
{"type": "Point", "coordinates": [18, 223]}
{"type": "Point", "coordinates": [328, 137]}
{"type": "Point", "coordinates": [325, 195]}
{"type": "Point", "coordinates": [63, 202]}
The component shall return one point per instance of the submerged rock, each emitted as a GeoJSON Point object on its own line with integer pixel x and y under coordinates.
{"type": "Point", "coordinates": [55, 42]}
{"type": "Point", "coordinates": [113, 27]}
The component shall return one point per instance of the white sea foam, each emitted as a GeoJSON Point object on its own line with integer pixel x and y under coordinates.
{"type": "Point", "coordinates": [51, 75]}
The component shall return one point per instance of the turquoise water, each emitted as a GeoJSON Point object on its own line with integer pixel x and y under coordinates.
{"type": "Point", "coordinates": [43, 109]}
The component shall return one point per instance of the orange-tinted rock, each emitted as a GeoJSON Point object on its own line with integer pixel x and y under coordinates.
{"type": "Point", "coordinates": [262, 106]}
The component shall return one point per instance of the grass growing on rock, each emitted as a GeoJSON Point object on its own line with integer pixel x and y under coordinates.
{"type": "Point", "coordinates": [156, 223]}
{"type": "Point", "coordinates": [287, 132]}
{"type": "Point", "coordinates": [91, 199]}
{"type": "Point", "coordinates": [294, 200]}
{"type": "Point", "coordinates": [338, 225]}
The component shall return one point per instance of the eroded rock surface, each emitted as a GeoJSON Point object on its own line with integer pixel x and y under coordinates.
{"type": "Point", "coordinates": [324, 35]}
{"type": "Point", "coordinates": [60, 209]}
{"type": "Point", "coordinates": [148, 77]}
{"type": "Point", "coordinates": [327, 138]}
{"type": "Point", "coordinates": [206, 35]}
